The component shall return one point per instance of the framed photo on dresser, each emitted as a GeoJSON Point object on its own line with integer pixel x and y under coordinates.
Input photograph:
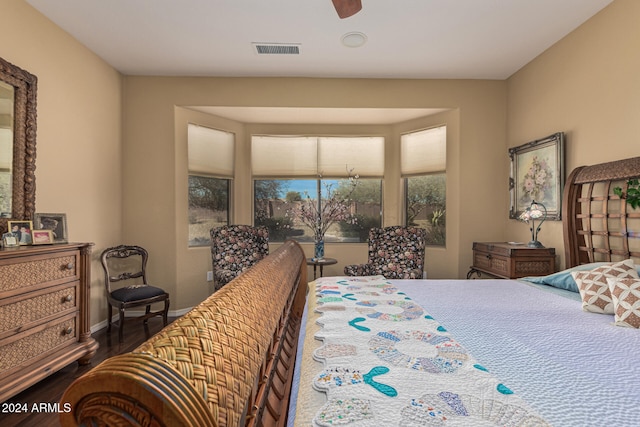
{"type": "Point", "coordinates": [9, 240]}
{"type": "Point", "coordinates": [42, 237]}
{"type": "Point", "coordinates": [21, 230]}
{"type": "Point", "coordinates": [56, 222]}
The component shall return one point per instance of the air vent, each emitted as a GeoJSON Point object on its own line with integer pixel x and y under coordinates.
{"type": "Point", "coordinates": [277, 48]}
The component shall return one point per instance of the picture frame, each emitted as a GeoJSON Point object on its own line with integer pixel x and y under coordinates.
{"type": "Point", "coordinates": [9, 240]}
{"type": "Point", "coordinates": [22, 230]}
{"type": "Point", "coordinates": [42, 237]}
{"type": "Point", "coordinates": [56, 222]}
{"type": "Point", "coordinates": [538, 173]}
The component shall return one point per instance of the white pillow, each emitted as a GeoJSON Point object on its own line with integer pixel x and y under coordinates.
{"type": "Point", "coordinates": [594, 288]}
{"type": "Point", "coordinates": [625, 294]}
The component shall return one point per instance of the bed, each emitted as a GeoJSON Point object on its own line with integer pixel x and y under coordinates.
{"type": "Point", "coordinates": [366, 352]}
{"type": "Point", "coordinates": [529, 351]}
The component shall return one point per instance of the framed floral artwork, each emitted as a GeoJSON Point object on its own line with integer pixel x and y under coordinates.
{"type": "Point", "coordinates": [537, 173]}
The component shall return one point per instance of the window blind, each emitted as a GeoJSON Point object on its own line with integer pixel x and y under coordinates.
{"type": "Point", "coordinates": [424, 151]}
{"type": "Point", "coordinates": [284, 156]}
{"type": "Point", "coordinates": [211, 151]}
{"type": "Point", "coordinates": [363, 156]}
{"type": "Point", "coordinates": [306, 156]}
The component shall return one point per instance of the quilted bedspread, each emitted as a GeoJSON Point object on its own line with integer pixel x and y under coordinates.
{"type": "Point", "coordinates": [573, 367]}
{"type": "Point", "coordinates": [386, 361]}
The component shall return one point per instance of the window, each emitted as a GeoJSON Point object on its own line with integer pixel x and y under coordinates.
{"type": "Point", "coordinates": [211, 160]}
{"type": "Point", "coordinates": [290, 172]}
{"type": "Point", "coordinates": [423, 167]}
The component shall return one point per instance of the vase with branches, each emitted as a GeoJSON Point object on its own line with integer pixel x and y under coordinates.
{"type": "Point", "coordinates": [329, 207]}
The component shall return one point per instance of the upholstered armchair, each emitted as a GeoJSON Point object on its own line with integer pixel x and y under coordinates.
{"type": "Point", "coordinates": [395, 252]}
{"type": "Point", "coordinates": [236, 248]}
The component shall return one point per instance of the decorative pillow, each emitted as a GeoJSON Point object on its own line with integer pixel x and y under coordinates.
{"type": "Point", "coordinates": [625, 294]}
{"type": "Point", "coordinates": [563, 279]}
{"type": "Point", "coordinates": [593, 286]}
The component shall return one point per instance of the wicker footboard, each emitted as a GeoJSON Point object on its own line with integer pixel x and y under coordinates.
{"type": "Point", "coordinates": [228, 362]}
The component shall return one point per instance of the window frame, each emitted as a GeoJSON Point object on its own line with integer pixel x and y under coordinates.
{"type": "Point", "coordinates": [414, 171]}
{"type": "Point", "coordinates": [214, 169]}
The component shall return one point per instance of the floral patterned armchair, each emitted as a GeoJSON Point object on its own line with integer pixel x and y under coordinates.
{"type": "Point", "coordinates": [236, 248]}
{"type": "Point", "coordinates": [395, 252]}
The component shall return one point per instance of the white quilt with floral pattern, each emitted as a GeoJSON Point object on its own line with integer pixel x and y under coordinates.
{"type": "Point", "coordinates": [385, 361]}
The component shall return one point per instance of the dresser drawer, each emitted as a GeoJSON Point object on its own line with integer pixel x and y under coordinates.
{"type": "Point", "coordinates": [37, 270]}
{"type": "Point", "coordinates": [26, 310]}
{"type": "Point", "coordinates": [44, 312]}
{"type": "Point", "coordinates": [495, 264]}
{"type": "Point", "coordinates": [18, 350]}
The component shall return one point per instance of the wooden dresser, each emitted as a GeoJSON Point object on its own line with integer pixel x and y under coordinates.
{"type": "Point", "coordinates": [511, 261]}
{"type": "Point", "coordinates": [44, 312]}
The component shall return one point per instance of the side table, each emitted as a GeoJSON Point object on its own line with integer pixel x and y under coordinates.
{"type": "Point", "coordinates": [321, 263]}
{"type": "Point", "coordinates": [511, 260]}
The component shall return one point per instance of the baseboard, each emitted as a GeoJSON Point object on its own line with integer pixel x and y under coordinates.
{"type": "Point", "coordinates": [134, 313]}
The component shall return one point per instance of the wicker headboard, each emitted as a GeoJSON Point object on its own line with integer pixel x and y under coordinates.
{"type": "Point", "coordinates": [229, 362]}
{"type": "Point", "coordinates": [598, 225]}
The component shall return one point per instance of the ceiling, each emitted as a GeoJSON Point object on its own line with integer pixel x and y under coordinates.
{"type": "Point", "coordinates": [409, 39]}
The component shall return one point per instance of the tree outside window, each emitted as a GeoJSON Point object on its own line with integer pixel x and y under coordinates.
{"type": "Point", "coordinates": [208, 207]}
{"type": "Point", "coordinates": [211, 160]}
{"type": "Point", "coordinates": [426, 206]}
{"type": "Point", "coordinates": [423, 167]}
{"type": "Point", "coordinates": [278, 206]}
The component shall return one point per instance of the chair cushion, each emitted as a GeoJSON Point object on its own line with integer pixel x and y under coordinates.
{"type": "Point", "coordinates": [137, 292]}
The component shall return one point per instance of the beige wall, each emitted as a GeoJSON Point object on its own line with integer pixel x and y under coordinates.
{"type": "Point", "coordinates": [154, 165]}
{"type": "Point", "coordinates": [111, 150]}
{"type": "Point", "coordinates": [79, 131]}
{"type": "Point", "coordinates": [587, 86]}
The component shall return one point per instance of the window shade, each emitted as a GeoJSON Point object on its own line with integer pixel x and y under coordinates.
{"type": "Point", "coordinates": [300, 156]}
{"type": "Point", "coordinates": [424, 151]}
{"type": "Point", "coordinates": [211, 151]}
{"type": "Point", "coordinates": [364, 156]}
{"type": "Point", "coordinates": [284, 156]}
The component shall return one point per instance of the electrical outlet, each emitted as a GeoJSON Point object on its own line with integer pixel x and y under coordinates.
{"type": "Point", "coordinates": [209, 276]}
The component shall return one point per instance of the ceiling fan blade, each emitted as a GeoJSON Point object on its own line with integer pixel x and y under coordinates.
{"type": "Point", "coordinates": [347, 8]}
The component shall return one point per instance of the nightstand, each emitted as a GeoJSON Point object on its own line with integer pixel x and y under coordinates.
{"type": "Point", "coordinates": [511, 261]}
{"type": "Point", "coordinates": [320, 262]}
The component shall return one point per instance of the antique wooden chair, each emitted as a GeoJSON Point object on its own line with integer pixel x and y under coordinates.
{"type": "Point", "coordinates": [127, 265]}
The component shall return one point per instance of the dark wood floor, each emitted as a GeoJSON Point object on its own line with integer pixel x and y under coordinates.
{"type": "Point", "coordinates": [50, 389]}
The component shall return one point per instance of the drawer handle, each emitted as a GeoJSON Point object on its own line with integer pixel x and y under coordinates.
{"type": "Point", "coordinates": [68, 298]}
{"type": "Point", "coordinates": [489, 256]}
{"type": "Point", "coordinates": [69, 266]}
{"type": "Point", "coordinates": [67, 331]}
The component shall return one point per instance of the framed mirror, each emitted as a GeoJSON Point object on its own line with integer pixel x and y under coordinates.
{"type": "Point", "coordinates": [17, 143]}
